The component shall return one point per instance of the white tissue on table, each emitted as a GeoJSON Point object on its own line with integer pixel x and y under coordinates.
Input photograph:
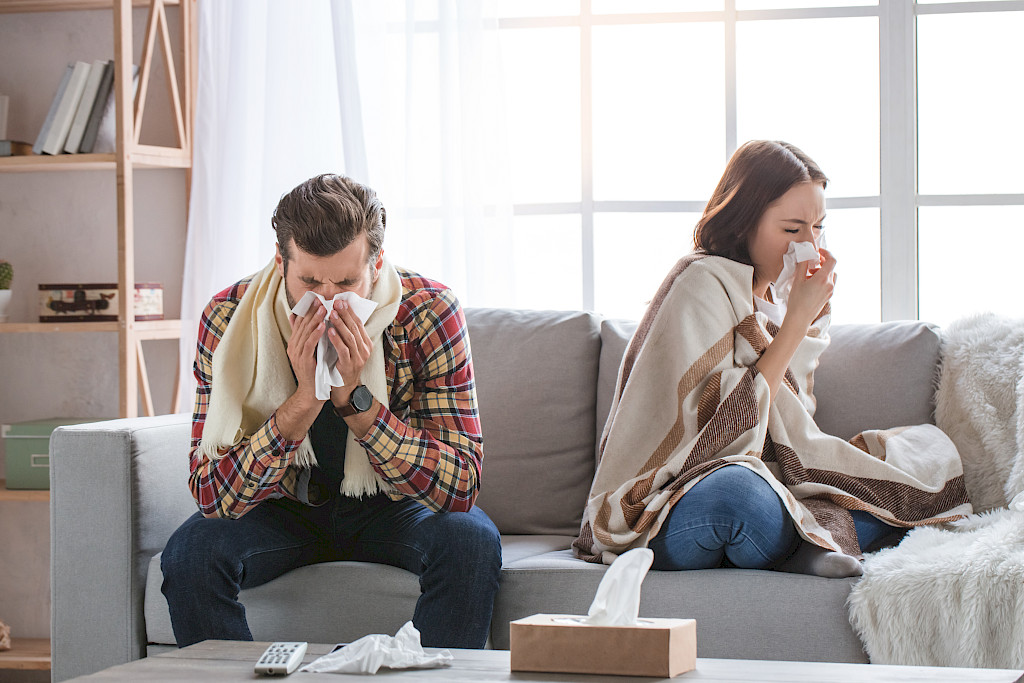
{"type": "Point", "coordinates": [370, 653]}
{"type": "Point", "coordinates": [798, 252]}
{"type": "Point", "coordinates": [327, 374]}
{"type": "Point", "coordinates": [617, 601]}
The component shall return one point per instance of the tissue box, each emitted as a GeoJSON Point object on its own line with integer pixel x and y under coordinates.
{"type": "Point", "coordinates": [97, 302]}
{"type": "Point", "coordinates": [28, 451]}
{"type": "Point", "coordinates": [659, 648]}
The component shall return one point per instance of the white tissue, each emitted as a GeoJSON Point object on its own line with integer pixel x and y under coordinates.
{"type": "Point", "coordinates": [1018, 502]}
{"type": "Point", "coordinates": [327, 374]}
{"type": "Point", "coordinates": [617, 601]}
{"type": "Point", "coordinates": [370, 653]}
{"type": "Point", "coordinates": [798, 252]}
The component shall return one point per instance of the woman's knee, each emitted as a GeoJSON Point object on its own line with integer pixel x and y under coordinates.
{"type": "Point", "coordinates": [733, 491]}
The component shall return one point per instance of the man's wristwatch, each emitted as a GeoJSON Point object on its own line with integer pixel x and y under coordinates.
{"type": "Point", "coordinates": [359, 402]}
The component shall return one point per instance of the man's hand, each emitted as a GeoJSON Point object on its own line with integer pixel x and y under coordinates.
{"type": "Point", "coordinates": [297, 414]}
{"type": "Point", "coordinates": [353, 345]}
{"type": "Point", "coordinates": [306, 332]}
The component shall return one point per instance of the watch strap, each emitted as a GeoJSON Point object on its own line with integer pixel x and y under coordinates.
{"type": "Point", "coordinates": [349, 409]}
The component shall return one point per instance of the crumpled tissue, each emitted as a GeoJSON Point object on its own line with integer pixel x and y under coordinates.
{"type": "Point", "coordinates": [327, 374]}
{"type": "Point", "coordinates": [370, 653]}
{"type": "Point", "coordinates": [798, 252]}
{"type": "Point", "coordinates": [617, 601]}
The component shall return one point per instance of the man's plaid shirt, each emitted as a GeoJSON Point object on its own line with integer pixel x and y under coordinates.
{"type": "Point", "coordinates": [426, 443]}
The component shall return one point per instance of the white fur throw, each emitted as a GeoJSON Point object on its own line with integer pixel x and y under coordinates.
{"type": "Point", "coordinates": [980, 405]}
{"type": "Point", "coordinates": [946, 597]}
{"type": "Point", "coordinates": [954, 596]}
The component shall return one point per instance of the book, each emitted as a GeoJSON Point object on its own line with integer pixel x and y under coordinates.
{"type": "Point", "coordinates": [99, 106]}
{"type": "Point", "coordinates": [4, 104]}
{"type": "Point", "coordinates": [14, 148]}
{"type": "Point", "coordinates": [92, 85]}
{"type": "Point", "coordinates": [106, 136]}
{"type": "Point", "coordinates": [66, 109]}
{"type": "Point", "coordinates": [45, 130]}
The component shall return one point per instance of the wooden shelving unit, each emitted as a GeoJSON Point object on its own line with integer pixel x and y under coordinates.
{"type": "Point", "coordinates": [130, 155]}
{"type": "Point", "coordinates": [27, 654]}
{"type": "Point", "coordinates": [20, 494]}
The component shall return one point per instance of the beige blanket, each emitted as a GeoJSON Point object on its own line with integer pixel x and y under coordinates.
{"type": "Point", "coordinates": [689, 400]}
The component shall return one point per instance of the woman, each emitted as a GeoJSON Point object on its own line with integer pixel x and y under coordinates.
{"type": "Point", "coordinates": [710, 455]}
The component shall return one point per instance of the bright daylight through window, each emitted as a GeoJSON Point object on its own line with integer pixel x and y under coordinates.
{"type": "Point", "coordinates": [622, 115]}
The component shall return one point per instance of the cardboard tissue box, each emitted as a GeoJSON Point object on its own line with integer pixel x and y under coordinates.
{"type": "Point", "coordinates": [610, 639]}
{"type": "Point", "coordinates": [660, 648]}
{"type": "Point", "coordinates": [97, 302]}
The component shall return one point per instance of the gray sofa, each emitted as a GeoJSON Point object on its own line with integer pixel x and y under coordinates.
{"type": "Point", "coordinates": [544, 381]}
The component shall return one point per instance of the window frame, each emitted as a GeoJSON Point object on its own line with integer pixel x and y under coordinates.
{"type": "Point", "coordinates": [898, 199]}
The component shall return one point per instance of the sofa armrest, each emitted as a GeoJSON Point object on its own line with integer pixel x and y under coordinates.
{"type": "Point", "coordinates": [118, 489]}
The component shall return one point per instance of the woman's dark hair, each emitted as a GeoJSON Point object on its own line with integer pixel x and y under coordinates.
{"type": "Point", "coordinates": [758, 173]}
{"type": "Point", "coordinates": [327, 213]}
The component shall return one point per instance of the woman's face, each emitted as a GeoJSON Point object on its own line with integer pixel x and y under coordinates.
{"type": "Point", "coordinates": [794, 217]}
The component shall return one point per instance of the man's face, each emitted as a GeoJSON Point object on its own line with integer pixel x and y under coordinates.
{"type": "Point", "coordinates": [345, 271]}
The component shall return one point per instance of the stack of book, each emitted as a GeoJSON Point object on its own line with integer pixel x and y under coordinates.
{"type": "Point", "coordinates": [84, 98]}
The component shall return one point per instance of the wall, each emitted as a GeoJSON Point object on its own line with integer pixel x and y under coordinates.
{"type": "Point", "coordinates": [59, 227]}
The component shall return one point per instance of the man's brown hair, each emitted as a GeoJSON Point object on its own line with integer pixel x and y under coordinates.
{"type": "Point", "coordinates": [327, 213]}
{"type": "Point", "coordinates": [758, 173]}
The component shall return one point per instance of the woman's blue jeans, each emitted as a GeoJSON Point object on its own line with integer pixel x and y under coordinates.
{"type": "Point", "coordinates": [457, 556]}
{"type": "Point", "coordinates": [734, 517]}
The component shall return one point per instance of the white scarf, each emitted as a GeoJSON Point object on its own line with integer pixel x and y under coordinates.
{"type": "Point", "coordinates": [252, 377]}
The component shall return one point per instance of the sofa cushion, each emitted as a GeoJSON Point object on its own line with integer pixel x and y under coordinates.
{"type": "Point", "coordinates": [877, 376]}
{"type": "Point", "coordinates": [536, 380]}
{"type": "Point", "coordinates": [294, 606]}
{"type": "Point", "coordinates": [872, 376]}
{"type": "Point", "coordinates": [314, 603]}
{"type": "Point", "coordinates": [740, 613]}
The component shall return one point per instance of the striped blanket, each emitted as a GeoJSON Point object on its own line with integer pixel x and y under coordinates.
{"type": "Point", "coordinates": [689, 400]}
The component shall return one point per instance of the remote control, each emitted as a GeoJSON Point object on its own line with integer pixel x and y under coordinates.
{"type": "Point", "coordinates": [281, 658]}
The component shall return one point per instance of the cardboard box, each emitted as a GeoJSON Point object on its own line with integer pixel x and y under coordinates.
{"type": "Point", "coordinates": [560, 643]}
{"type": "Point", "coordinates": [28, 451]}
{"type": "Point", "coordinates": [97, 302]}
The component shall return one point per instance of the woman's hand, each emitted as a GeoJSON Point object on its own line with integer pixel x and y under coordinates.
{"type": "Point", "coordinates": [811, 292]}
{"type": "Point", "coordinates": [809, 295]}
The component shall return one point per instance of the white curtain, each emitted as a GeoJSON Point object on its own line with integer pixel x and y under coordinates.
{"type": "Point", "coordinates": [389, 92]}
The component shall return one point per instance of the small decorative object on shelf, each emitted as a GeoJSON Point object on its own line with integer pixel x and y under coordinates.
{"type": "Point", "coordinates": [5, 636]}
{"type": "Point", "coordinates": [6, 275]}
{"type": "Point", "coordinates": [97, 302]}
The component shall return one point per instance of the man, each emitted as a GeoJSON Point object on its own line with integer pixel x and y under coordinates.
{"type": "Point", "coordinates": [386, 470]}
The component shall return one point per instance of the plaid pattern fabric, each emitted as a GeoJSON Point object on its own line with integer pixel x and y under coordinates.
{"type": "Point", "coordinates": [427, 443]}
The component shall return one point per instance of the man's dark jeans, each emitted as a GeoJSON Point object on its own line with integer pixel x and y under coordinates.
{"type": "Point", "coordinates": [457, 556]}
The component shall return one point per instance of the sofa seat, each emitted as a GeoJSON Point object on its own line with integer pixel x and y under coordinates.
{"type": "Point", "coordinates": [776, 615]}
{"type": "Point", "coordinates": [383, 596]}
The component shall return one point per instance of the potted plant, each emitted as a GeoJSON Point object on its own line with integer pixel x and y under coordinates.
{"type": "Point", "coordinates": [6, 275]}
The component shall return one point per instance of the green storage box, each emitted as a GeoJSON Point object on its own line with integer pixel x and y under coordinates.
{"type": "Point", "coordinates": [28, 450]}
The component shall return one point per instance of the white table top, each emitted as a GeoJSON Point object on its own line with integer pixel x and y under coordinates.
{"type": "Point", "coordinates": [224, 661]}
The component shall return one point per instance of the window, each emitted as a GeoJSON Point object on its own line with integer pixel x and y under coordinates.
{"type": "Point", "coordinates": [622, 115]}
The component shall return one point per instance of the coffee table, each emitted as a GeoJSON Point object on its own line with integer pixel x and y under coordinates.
{"type": "Point", "coordinates": [224, 661]}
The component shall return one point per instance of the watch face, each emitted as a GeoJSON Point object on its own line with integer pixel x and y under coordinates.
{"type": "Point", "coordinates": [361, 398]}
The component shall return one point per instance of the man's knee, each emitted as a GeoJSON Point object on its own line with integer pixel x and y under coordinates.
{"type": "Point", "coordinates": [194, 544]}
{"type": "Point", "coordinates": [472, 537]}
